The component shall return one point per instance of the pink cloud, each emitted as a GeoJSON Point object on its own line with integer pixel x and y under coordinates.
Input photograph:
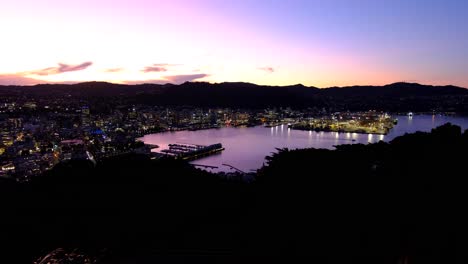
{"type": "Point", "coordinates": [175, 79]}
{"type": "Point", "coordinates": [113, 70]}
{"type": "Point", "coordinates": [159, 67]}
{"type": "Point", "coordinates": [61, 69]}
{"type": "Point", "coordinates": [267, 69]}
{"type": "Point", "coordinates": [185, 78]}
{"type": "Point", "coordinates": [154, 69]}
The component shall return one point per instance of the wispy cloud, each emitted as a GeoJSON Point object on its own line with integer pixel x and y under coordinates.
{"type": "Point", "coordinates": [62, 68]}
{"type": "Point", "coordinates": [175, 79]}
{"type": "Point", "coordinates": [267, 69]}
{"type": "Point", "coordinates": [24, 78]}
{"type": "Point", "coordinates": [149, 69]}
{"type": "Point", "coordinates": [113, 70]}
{"type": "Point", "coordinates": [185, 78]}
{"type": "Point", "coordinates": [159, 67]}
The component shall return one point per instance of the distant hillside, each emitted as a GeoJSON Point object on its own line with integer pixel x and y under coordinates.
{"type": "Point", "coordinates": [396, 90]}
{"type": "Point", "coordinates": [82, 89]}
{"type": "Point", "coordinates": [397, 96]}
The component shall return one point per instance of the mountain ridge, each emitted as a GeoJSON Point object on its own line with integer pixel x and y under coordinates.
{"type": "Point", "coordinates": [243, 84]}
{"type": "Point", "coordinates": [399, 96]}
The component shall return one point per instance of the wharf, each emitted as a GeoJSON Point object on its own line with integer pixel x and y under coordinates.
{"type": "Point", "coordinates": [191, 151]}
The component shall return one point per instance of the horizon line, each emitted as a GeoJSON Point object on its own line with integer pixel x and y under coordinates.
{"type": "Point", "coordinates": [239, 82]}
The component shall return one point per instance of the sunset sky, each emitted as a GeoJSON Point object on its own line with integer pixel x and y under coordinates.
{"type": "Point", "coordinates": [275, 42]}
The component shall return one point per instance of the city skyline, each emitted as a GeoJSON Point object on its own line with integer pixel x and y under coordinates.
{"type": "Point", "coordinates": [336, 43]}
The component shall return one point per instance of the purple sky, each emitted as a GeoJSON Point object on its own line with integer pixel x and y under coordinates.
{"type": "Point", "coordinates": [320, 43]}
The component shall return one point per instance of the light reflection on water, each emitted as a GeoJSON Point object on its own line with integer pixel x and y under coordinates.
{"type": "Point", "coordinates": [246, 148]}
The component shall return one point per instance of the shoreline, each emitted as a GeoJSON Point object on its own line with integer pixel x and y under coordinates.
{"type": "Point", "coordinates": [449, 114]}
{"type": "Point", "coordinates": [340, 131]}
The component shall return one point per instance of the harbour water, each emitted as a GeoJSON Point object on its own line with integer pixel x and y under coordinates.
{"type": "Point", "coordinates": [246, 148]}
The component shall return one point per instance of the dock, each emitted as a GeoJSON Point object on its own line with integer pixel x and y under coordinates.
{"type": "Point", "coordinates": [191, 151]}
{"type": "Point", "coordinates": [204, 166]}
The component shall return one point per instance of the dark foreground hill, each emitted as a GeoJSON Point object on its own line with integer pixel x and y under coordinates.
{"type": "Point", "coordinates": [393, 97]}
{"type": "Point", "coordinates": [398, 202]}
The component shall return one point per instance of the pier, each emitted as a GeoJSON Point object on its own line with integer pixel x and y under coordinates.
{"type": "Point", "coordinates": [205, 166]}
{"type": "Point", "coordinates": [191, 151]}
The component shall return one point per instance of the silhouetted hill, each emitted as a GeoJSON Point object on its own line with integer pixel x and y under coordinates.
{"type": "Point", "coordinates": [235, 94]}
{"type": "Point", "coordinates": [393, 97]}
{"type": "Point", "coordinates": [400, 89]}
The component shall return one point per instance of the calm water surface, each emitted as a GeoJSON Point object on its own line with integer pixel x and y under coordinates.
{"type": "Point", "coordinates": [246, 148]}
